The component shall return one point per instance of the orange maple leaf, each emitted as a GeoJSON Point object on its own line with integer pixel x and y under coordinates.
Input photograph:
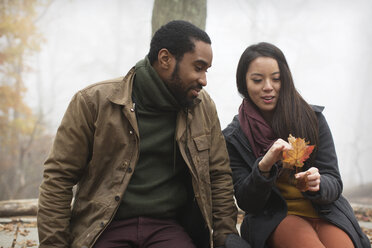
{"type": "Point", "coordinates": [299, 153]}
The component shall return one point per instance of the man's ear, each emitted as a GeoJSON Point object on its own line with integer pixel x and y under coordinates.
{"type": "Point", "coordinates": [165, 58]}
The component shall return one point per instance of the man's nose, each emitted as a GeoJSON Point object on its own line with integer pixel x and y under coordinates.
{"type": "Point", "coordinates": [203, 80]}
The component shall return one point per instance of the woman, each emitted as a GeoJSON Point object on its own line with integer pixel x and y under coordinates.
{"type": "Point", "coordinates": [280, 213]}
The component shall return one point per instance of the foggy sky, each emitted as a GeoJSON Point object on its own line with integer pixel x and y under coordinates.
{"type": "Point", "coordinates": [326, 43]}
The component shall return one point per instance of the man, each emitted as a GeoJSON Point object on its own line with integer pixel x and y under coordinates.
{"type": "Point", "coordinates": [146, 154]}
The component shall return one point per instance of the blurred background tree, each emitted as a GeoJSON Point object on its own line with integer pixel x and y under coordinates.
{"type": "Point", "coordinates": [22, 140]}
{"type": "Point", "coordinates": [164, 11]}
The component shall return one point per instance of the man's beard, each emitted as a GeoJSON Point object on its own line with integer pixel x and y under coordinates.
{"type": "Point", "coordinates": [177, 87]}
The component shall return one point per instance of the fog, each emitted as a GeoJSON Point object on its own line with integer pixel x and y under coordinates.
{"type": "Point", "coordinates": [327, 45]}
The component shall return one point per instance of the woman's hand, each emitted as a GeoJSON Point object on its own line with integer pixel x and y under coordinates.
{"type": "Point", "coordinates": [273, 155]}
{"type": "Point", "coordinates": [308, 180]}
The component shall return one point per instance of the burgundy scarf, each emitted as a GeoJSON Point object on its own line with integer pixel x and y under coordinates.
{"type": "Point", "coordinates": [259, 133]}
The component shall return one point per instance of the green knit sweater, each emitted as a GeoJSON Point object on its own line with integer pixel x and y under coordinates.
{"type": "Point", "coordinates": [157, 187]}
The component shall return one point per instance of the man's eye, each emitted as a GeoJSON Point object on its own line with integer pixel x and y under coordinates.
{"type": "Point", "coordinates": [197, 68]}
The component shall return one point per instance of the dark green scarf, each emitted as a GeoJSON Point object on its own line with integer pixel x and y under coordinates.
{"type": "Point", "coordinates": [150, 92]}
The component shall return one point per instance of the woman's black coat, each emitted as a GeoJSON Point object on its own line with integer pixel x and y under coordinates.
{"type": "Point", "coordinates": [262, 202]}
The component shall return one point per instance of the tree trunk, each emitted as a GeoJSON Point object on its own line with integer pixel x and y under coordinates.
{"type": "Point", "coordinates": [164, 11]}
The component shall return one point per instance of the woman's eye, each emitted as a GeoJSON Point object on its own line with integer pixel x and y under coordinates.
{"type": "Point", "coordinates": [256, 80]}
{"type": "Point", "coordinates": [276, 79]}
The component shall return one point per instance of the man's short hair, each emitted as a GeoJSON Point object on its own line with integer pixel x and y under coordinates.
{"type": "Point", "coordinates": [178, 37]}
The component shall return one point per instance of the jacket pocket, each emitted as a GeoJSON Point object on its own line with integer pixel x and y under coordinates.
{"type": "Point", "coordinates": [201, 157]}
{"type": "Point", "coordinates": [202, 142]}
{"type": "Point", "coordinates": [90, 217]}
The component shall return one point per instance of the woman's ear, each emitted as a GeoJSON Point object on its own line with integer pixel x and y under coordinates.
{"type": "Point", "coordinates": [165, 59]}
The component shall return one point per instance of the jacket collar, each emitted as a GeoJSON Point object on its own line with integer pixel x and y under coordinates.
{"type": "Point", "coordinates": [122, 95]}
{"type": "Point", "coordinates": [317, 108]}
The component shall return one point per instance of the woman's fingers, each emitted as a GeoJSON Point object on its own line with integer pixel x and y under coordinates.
{"type": "Point", "coordinates": [278, 147]}
{"type": "Point", "coordinates": [308, 180]}
{"type": "Point", "coordinates": [282, 145]}
{"type": "Point", "coordinates": [273, 154]}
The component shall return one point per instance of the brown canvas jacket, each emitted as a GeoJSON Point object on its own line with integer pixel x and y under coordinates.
{"type": "Point", "coordinates": [96, 148]}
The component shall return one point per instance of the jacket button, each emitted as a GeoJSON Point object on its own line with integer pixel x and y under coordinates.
{"type": "Point", "coordinates": [130, 132]}
{"type": "Point", "coordinates": [102, 224]}
{"type": "Point", "coordinates": [117, 198]}
{"type": "Point", "coordinates": [131, 110]}
{"type": "Point", "coordinates": [129, 170]}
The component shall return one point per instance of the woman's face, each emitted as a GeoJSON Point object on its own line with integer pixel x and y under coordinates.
{"type": "Point", "coordinates": [263, 84]}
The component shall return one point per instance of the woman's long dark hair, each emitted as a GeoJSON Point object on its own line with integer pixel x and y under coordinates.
{"type": "Point", "coordinates": [292, 114]}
